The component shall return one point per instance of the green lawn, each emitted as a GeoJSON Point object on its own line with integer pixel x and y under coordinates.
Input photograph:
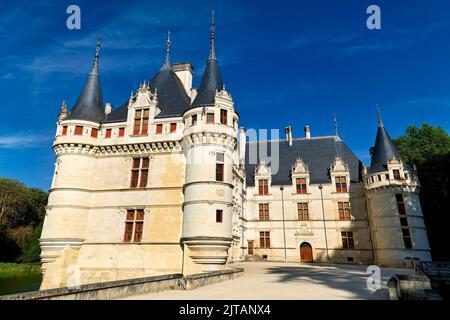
{"type": "Point", "coordinates": [25, 267]}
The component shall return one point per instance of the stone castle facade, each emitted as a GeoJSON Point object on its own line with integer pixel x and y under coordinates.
{"type": "Point", "coordinates": [168, 183]}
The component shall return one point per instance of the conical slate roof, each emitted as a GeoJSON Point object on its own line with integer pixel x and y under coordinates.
{"type": "Point", "coordinates": [384, 150]}
{"type": "Point", "coordinates": [211, 80]}
{"type": "Point", "coordinates": [89, 105]}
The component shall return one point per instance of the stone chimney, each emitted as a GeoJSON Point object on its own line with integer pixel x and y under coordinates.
{"type": "Point", "coordinates": [183, 71]}
{"type": "Point", "coordinates": [288, 133]}
{"type": "Point", "coordinates": [307, 132]}
{"type": "Point", "coordinates": [108, 108]}
{"type": "Point", "coordinates": [242, 145]}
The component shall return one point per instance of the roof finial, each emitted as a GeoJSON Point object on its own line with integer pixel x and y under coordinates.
{"type": "Point", "coordinates": [212, 50]}
{"type": "Point", "coordinates": [335, 124]}
{"type": "Point", "coordinates": [168, 48]}
{"type": "Point", "coordinates": [380, 121]}
{"type": "Point", "coordinates": [97, 56]}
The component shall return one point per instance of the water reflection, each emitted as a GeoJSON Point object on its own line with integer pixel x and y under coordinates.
{"type": "Point", "coordinates": [14, 282]}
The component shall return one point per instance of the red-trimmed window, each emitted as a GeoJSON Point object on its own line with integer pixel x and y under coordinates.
{"type": "Point", "coordinates": [173, 127]}
{"type": "Point", "coordinates": [134, 226]}
{"type": "Point", "coordinates": [344, 211]}
{"type": "Point", "coordinates": [396, 174]}
{"type": "Point", "coordinates": [264, 239]}
{"type": "Point", "coordinates": [263, 186]}
{"type": "Point", "coordinates": [223, 116]}
{"type": "Point", "coordinates": [94, 133]}
{"type": "Point", "coordinates": [347, 240]}
{"type": "Point", "coordinates": [141, 117]}
{"type": "Point", "coordinates": [159, 128]}
{"type": "Point", "coordinates": [78, 130]}
{"type": "Point", "coordinates": [121, 132]}
{"type": "Point", "coordinates": [219, 216]}
{"type": "Point", "coordinates": [220, 160]}
{"type": "Point", "coordinates": [139, 172]}
{"type": "Point", "coordinates": [300, 185]}
{"type": "Point", "coordinates": [108, 133]}
{"type": "Point", "coordinates": [303, 213]}
{"type": "Point", "coordinates": [341, 184]}
{"type": "Point", "coordinates": [210, 117]}
{"type": "Point", "coordinates": [264, 211]}
{"type": "Point", "coordinates": [64, 130]}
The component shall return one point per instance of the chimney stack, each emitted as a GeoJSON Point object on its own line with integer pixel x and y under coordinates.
{"type": "Point", "coordinates": [288, 132]}
{"type": "Point", "coordinates": [307, 132]}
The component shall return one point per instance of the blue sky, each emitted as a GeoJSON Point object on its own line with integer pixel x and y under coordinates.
{"type": "Point", "coordinates": [284, 62]}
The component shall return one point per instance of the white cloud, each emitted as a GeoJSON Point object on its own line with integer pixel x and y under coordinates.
{"type": "Point", "coordinates": [24, 140]}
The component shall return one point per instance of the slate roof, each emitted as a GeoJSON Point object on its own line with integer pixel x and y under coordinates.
{"type": "Point", "coordinates": [172, 98]}
{"type": "Point", "coordinates": [318, 153]}
{"type": "Point", "coordinates": [211, 82]}
{"type": "Point", "coordinates": [89, 105]}
{"type": "Point", "coordinates": [384, 151]}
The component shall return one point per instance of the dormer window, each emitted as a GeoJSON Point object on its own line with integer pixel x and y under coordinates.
{"type": "Point", "coordinates": [141, 121]}
{"type": "Point", "coordinates": [210, 117]}
{"type": "Point", "coordinates": [341, 184]}
{"type": "Point", "coordinates": [223, 116]}
{"type": "Point", "coordinates": [300, 185]}
{"type": "Point", "coordinates": [396, 174]}
{"type": "Point", "coordinates": [263, 186]}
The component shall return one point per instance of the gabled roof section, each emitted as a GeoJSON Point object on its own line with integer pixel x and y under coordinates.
{"type": "Point", "coordinates": [317, 153]}
{"type": "Point", "coordinates": [384, 149]}
{"type": "Point", "coordinates": [211, 80]}
{"type": "Point", "coordinates": [89, 105]}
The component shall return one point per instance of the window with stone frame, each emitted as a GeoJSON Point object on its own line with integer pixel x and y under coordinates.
{"type": "Point", "coordinates": [219, 216]}
{"type": "Point", "coordinates": [141, 120]}
{"type": "Point", "coordinates": [94, 133]}
{"type": "Point", "coordinates": [194, 119]}
{"type": "Point", "coordinates": [223, 116]}
{"type": "Point", "coordinates": [341, 184]}
{"type": "Point", "coordinates": [344, 211]}
{"type": "Point", "coordinates": [64, 130]}
{"type": "Point", "coordinates": [108, 133]}
{"type": "Point", "coordinates": [300, 185]}
{"type": "Point", "coordinates": [347, 240]}
{"type": "Point", "coordinates": [134, 226]}
{"type": "Point", "coordinates": [173, 127]}
{"type": "Point", "coordinates": [396, 174]}
{"type": "Point", "coordinates": [139, 172]}
{"type": "Point", "coordinates": [264, 211]}
{"type": "Point", "coordinates": [263, 186]}
{"type": "Point", "coordinates": [209, 117]}
{"type": "Point", "coordinates": [159, 128]}
{"type": "Point", "coordinates": [264, 239]}
{"type": "Point", "coordinates": [121, 132]}
{"type": "Point", "coordinates": [400, 204]}
{"type": "Point", "coordinates": [303, 212]}
{"type": "Point", "coordinates": [220, 160]}
{"type": "Point", "coordinates": [407, 238]}
{"type": "Point", "coordinates": [78, 130]}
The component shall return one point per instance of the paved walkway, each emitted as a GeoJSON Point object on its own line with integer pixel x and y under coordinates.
{"type": "Point", "coordinates": [287, 281]}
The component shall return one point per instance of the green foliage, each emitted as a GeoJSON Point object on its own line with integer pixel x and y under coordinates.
{"type": "Point", "coordinates": [22, 212]}
{"type": "Point", "coordinates": [428, 148]}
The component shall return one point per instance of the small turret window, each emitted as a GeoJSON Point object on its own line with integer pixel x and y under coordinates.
{"type": "Point", "coordinates": [396, 174]}
{"type": "Point", "coordinates": [210, 117]}
{"type": "Point", "coordinates": [159, 128]}
{"type": "Point", "coordinates": [121, 132]}
{"type": "Point", "coordinates": [94, 133]}
{"type": "Point", "coordinates": [194, 120]}
{"type": "Point", "coordinates": [108, 133]}
{"type": "Point", "coordinates": [173, 127]}
{"type": "Point", "coordinates": [223, 116]}
{"type": "Point", "coordinates": [400, 204]}
{"type": "Point", "coordinates": [64, 130]}
{"type": "Point", "coordinates": [219, 216]}
{"type": "Point", "coordinates": [78, 130]}
{"type": "Point", "coordinates": [219, 166]}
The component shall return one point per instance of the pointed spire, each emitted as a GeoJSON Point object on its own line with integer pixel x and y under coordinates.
{"type": "Point", "coordinates": [335, 124]}
{"type": "Point", "coordinates": [89, 105]}
{"type": "Point", "coordinates": [212, 49]}
{"type": "Point", "coordinates": [384, 149]}
{"type": "Point", "coordinates": [380, 121]}
{"type": "Point", "coordinates": [168, 48]}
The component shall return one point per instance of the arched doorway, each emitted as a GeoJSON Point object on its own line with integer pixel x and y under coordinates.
{"type": "Point", "coordinates": [306, 254]}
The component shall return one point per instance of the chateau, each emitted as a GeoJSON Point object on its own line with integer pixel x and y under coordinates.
{"type": "Point", "coordinates": [169, 183]}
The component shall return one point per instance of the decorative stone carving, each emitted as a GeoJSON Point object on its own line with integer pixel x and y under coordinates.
{"type": "Point", "coordinates": [299, 167]}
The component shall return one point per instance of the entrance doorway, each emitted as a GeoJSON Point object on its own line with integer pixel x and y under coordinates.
{"type": "Point", "coordinates": [306, 254]}
{"type": "Point", "coordinates": [250, 247]}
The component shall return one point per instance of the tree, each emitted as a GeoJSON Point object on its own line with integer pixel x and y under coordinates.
{"type": "Point", "coordinates": [428, 149]}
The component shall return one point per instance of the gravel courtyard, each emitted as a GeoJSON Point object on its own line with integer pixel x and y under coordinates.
{"type": "Point", "coordinates": [287, 281]}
